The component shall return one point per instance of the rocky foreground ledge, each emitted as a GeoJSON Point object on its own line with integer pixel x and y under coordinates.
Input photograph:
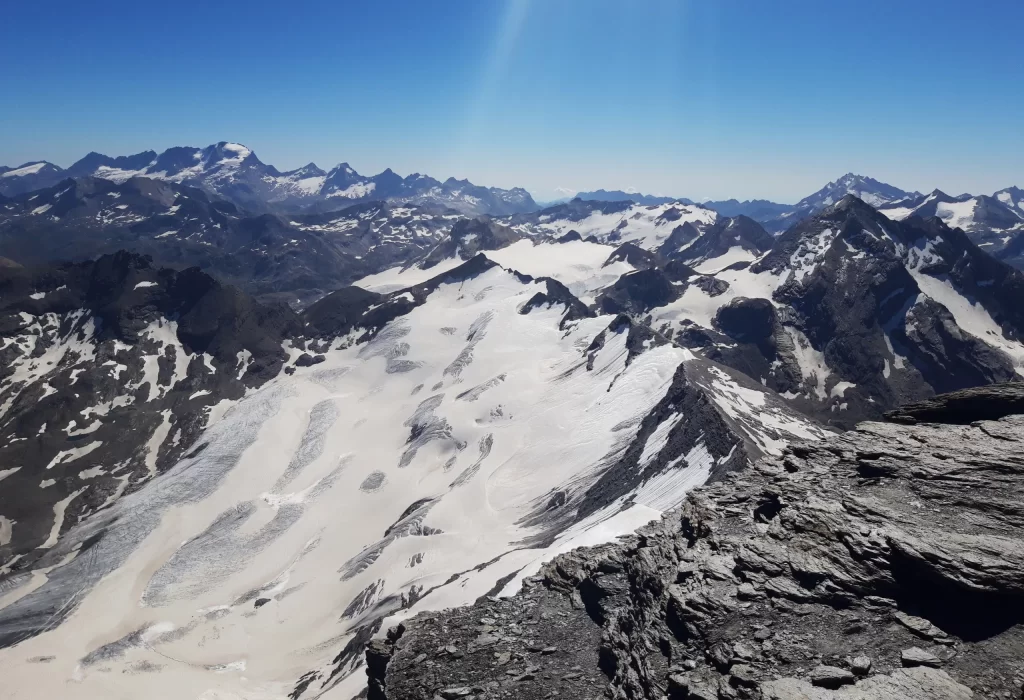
{"type": "Point", "coordinates": [886, 563]}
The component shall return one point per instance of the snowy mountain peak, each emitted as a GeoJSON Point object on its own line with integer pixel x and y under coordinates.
{"type": "Point", "coordinates": [227, 154]}
{"type": "Point", "coordinates": [27, 169]}
{"type": "Point", "coordinates": [867, 189]}
{"type": "Point", "coordinates": [307, 170]}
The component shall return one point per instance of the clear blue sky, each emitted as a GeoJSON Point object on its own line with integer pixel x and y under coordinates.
{"type": "Point", "coordinates": [705, 99]}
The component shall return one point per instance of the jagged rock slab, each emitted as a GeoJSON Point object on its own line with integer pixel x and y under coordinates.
{"type": "Point", "coordinates": [979, 403]}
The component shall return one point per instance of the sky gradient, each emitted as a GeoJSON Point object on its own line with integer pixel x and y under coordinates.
{"type": "Point", "coordinates": [716, 99]}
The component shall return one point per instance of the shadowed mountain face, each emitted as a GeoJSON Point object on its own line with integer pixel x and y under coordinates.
{"type": "Point", "coordinates": [294, 258]}
{"type": "Point", "coordinates": [233, 172]}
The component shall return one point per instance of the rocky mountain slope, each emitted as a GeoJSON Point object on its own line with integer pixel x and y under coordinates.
{"type": "Point", "coordinates": [292, 258]}
{"type": "Point", "coordinates": [234, 172]}
{"type": "Point", "coordinates": [884, 563]}
{"type": "Point", "coordinates": [848, 314]}
{"type": "Point", "coordinates": [993, 223]}
{"type": "Point", "coordinates": [635, 197]}
{"type": "Point", "coordinates": [109, 371]}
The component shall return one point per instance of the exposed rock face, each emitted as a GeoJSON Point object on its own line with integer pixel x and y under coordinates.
{"type": "Point", "coordinates": [857, 289]}
{"type": "Point", "coordinates": [884, 563]}
{"type": "Point", "coordinates": [993, 223]}
{"type": "Point", "coordinates": [965, 406]}
{"type": "Point", "coordinates": [469, 237]}
{"type": "Point", "coordinates": [638, 292]}
{"type": "Point", "coordinates": [739, 232]}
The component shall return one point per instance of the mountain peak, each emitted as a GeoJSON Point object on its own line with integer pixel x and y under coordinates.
{"type": "Point", "coordinates": [849, 201]}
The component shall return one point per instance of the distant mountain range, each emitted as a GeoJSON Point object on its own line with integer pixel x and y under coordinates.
{"type": "Point", "coordinates": [775, 216]}
{"type": "Point", "coordinates": [991, 221]}
{"type": "Point", "coordinates": [230, 173]}
{"type": "Point", "coordinates": [760, 209]}
{"type": "Point", "coordinates": [233, 171]}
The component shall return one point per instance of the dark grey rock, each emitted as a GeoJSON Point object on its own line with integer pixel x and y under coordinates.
{"type": "Point", "coordinates": [915, 656]}
{"type": "Point", "coordinates": [831, 676]}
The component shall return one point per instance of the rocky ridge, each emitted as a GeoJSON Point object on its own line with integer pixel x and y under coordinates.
{"type": "Point", "coordinates": [885, 562]}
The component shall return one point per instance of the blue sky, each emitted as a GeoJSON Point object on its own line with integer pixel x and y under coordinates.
{"type": "Point", "coordinates": [704, 99]}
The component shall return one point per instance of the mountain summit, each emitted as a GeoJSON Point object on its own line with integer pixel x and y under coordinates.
{"type": "Point", "coordinates": [866, 189]}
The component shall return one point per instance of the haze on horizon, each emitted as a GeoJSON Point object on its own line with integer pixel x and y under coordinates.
{"type": "Point", "coordinates": [701, 100]}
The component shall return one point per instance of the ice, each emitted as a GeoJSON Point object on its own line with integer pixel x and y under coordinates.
{"type": "Point", "coordinates": [397, 278]}
{"type": "Point", "coordinates": [120, 175]}
{"type": "Point", "coordinates": [548, 424]}
{"type": "Point", "coordinates": [579, 265]}
{"type": "Point", "coordinates": [356, 190]}
{"type": "Point", "coordinates": [897, 213]}
{"type": "Point", "coordinates": [25, 170]}
{"type": "Point", "coordinates": [657, 439]}
{"type": "Point", "coordinates": [65, 456]}
{"type": "Point", "coordinates": [59, 508]}
{"type": "Point", "coordinates": [957, 214]}
{"type": "Point", "coordinates": [840, 388]}
{"type": "Point", "coordinates": [812, 363]}
{"type": "Point", "coordinates": [143, 285]}
{"type": "Point", "coordinates": [970, 316]}
{"type": "Point", "coordinates": [698, 306]}
{"type": "Point", "coordinates": [645, 226]}
{"type": "Point", "coordinates": [734, 255]}
{"type": "Point", "coordinates": [6, 528]}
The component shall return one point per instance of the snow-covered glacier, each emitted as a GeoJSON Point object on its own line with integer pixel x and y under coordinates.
{"type": "Point", "coordinates": [441, 458]}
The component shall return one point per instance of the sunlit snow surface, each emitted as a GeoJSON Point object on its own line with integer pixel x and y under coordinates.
{"type": "Point", "coordinates": [465, 412]}
{"type": "Point", "coordinates": [642, 225]}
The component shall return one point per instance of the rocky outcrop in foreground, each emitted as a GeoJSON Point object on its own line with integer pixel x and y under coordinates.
{"type": "Point", "coordinates": [884, 563]}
